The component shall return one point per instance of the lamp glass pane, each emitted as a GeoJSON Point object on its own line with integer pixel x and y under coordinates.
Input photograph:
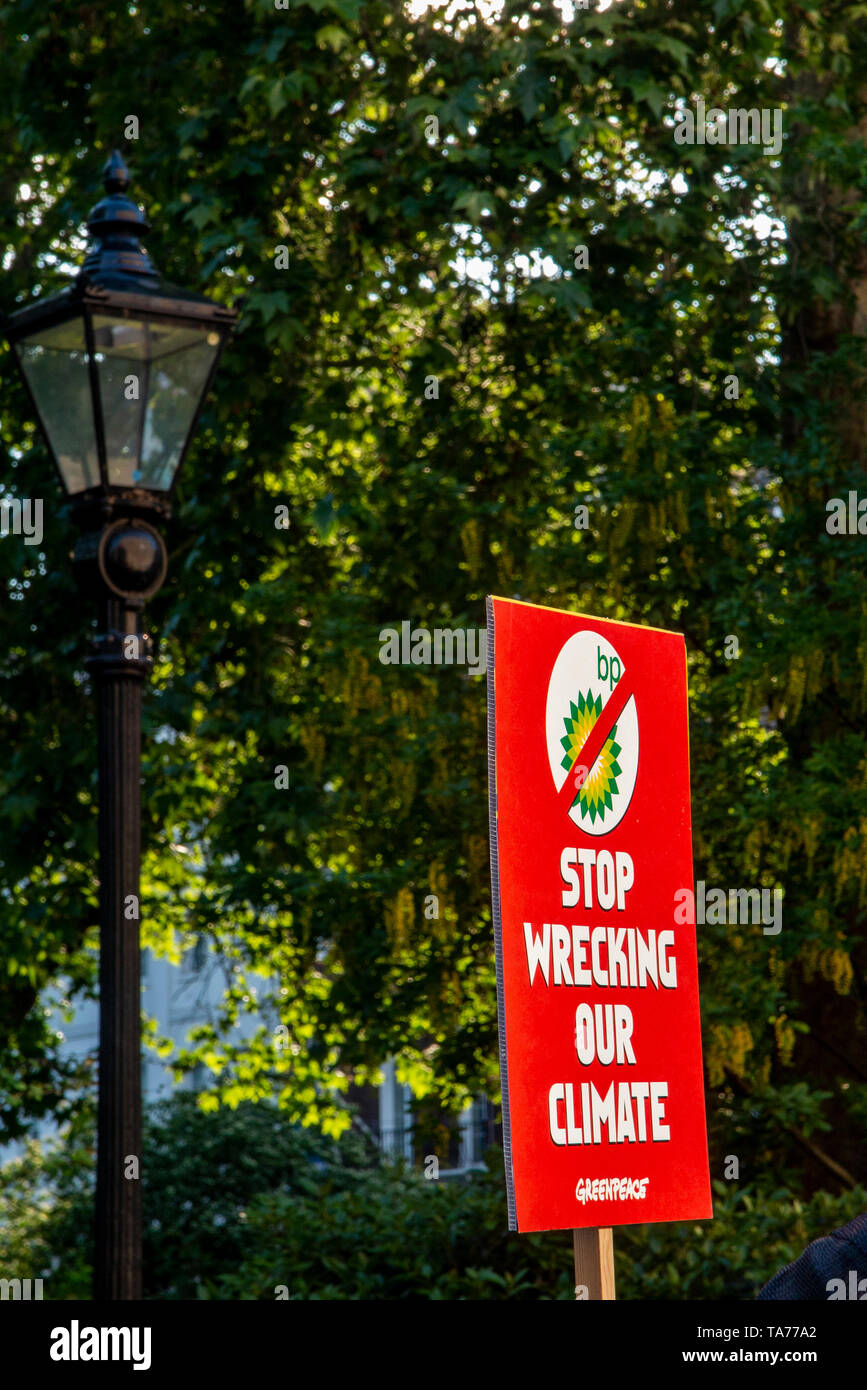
{"type": "Point", "coordinates": [54, 361]}
{"type": "Point", "coordinates": [151, 379]}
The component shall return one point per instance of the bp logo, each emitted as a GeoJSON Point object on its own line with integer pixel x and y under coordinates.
{"type": "Point", "coordinates": [586, 676]}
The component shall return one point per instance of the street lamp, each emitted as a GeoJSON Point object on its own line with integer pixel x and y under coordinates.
{"type": "Point", "coordinates": [117, 366]}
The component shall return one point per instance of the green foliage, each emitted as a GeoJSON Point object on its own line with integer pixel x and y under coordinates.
{"type": "Point", "coordinates": [755, 1232]}
{"type": "Point", "coordinates": [199, 1174]}
{"type": "Point", "coordinates": [239, 1202]}
{"type": "Point", "coordinates": [396, 1235]}
{"type": "Point", "coordinates": [203, 1170]}
{"type": "Point", "coordinates": [46, 1212]}
{"type": "Point", "coordinates": [305, 128]}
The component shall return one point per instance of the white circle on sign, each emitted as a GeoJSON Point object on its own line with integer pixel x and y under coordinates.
{"type": "Point", "coordinates": [585, 676]}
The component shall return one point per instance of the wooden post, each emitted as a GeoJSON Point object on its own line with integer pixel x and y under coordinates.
{"type": "Point", "coordinates": [594, 1263]}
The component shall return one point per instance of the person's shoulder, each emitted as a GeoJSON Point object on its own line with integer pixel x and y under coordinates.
{"type": "Point", "coordinates": [840, 1256]}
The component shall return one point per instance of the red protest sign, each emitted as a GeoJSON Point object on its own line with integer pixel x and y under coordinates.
{"type": "Point", "coordinates": [600, 1043]}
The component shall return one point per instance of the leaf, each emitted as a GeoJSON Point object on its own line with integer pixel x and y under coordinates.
{"type": "Point", "coordinates": [333, 37]}
{"type": "Point", "coordinates": [203, 211]}
{"type": "Point", "coordinates": [276, 96]}
{"type": "Point", "coordinates": [475, 203]}
{"type": "Point", "coordinates": [324, 518]}
{"type": "Point", "coordinates": [645, 89]}
{"type": "Point", "coordinates": [249, 84]}
{"type": "Point", "coordinates": [269, 303]}
{"type": "Point", "coordinates": [426, 103]}
{"type": "Point", "coordinates": [678, 50]}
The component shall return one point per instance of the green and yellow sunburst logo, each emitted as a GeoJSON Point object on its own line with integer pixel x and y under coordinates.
{"type": "Point", "coordinates": [595, 794]}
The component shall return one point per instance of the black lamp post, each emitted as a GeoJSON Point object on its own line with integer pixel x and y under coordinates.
{"type": "Point", "coordinates": [117, 366]}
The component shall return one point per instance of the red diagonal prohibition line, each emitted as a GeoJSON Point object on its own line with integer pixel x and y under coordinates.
{"type": "Point", "coordinates": [595, 740]}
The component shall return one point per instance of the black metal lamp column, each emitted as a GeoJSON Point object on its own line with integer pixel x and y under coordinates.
{"type": "Point", "coordinates": [119, 663]}
{"type": "Point", "coordinates": [117, 1266]}
{"type": "Point", "coordinates": [117, 366]}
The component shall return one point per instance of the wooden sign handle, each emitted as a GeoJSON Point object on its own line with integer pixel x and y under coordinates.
{"type": "Point", "coordinates": [594, 1263]}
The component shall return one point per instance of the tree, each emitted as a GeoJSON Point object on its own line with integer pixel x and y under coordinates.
{"type": "Point", "coordinates": [375, 252]}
